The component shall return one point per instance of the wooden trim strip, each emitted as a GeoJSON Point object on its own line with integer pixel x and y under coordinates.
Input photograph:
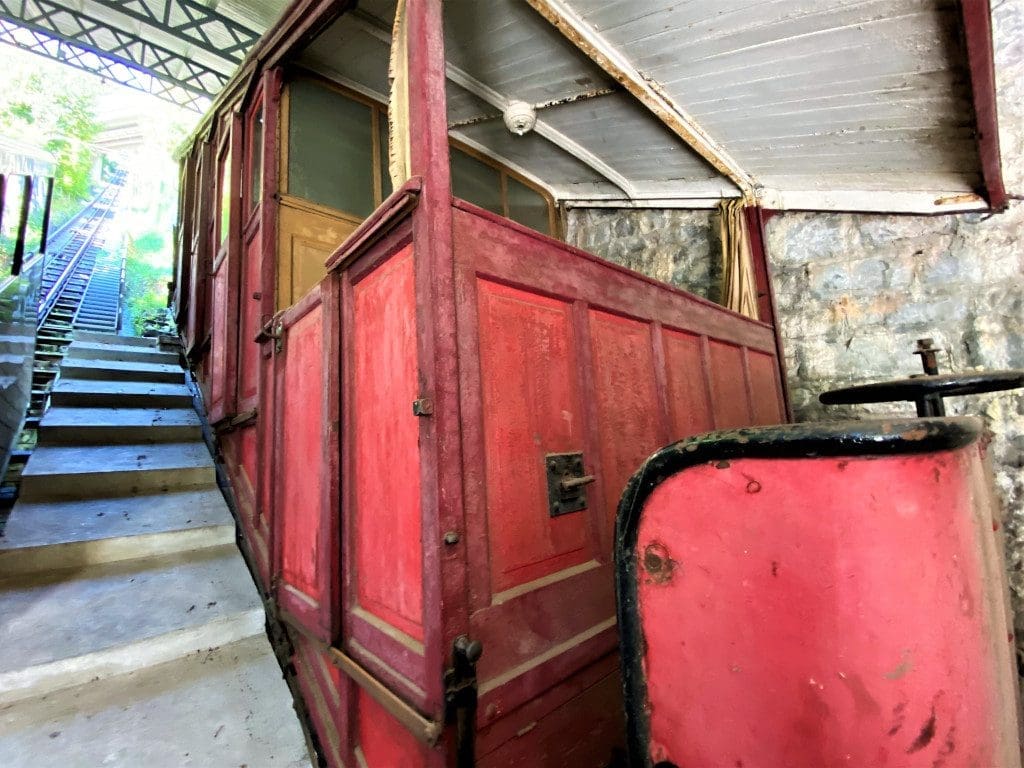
{"type": "Point", "coordinates": [608, 58]}
{"type": "Point", "coordinates": [977, 21]}
{"type": "Point", "coordinates": [399, 204]}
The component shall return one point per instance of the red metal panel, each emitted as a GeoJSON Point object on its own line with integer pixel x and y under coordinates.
{"type": "Point", "coordinates": [977, 20]}
{"type": "Point", "coordinates": [387, 515]}
{"type": "Point", "coordinates": [794, 615]}
{"type": "Point", "coordinates": [628, 412]}
{"type": "Point", "coordinates": [531, 408]}
{"type": "Point", "coordinates": [729, 389]}
{"type": "Point", "coordinates": [689, 406]}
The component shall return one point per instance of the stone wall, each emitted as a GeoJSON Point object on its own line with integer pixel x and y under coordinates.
{"type": "Point", "coordinates": [854, 292]}
{"type": "Point", "coordinates": [677, 247]}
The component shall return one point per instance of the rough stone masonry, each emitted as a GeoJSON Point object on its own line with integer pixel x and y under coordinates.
{"type": "Point", "coordinates": [854, 292]}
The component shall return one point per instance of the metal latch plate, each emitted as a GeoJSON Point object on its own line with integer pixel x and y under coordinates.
{"type": "Point", "coordinates": [566, 483]}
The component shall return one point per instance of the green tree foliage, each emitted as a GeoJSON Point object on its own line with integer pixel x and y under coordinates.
{"type": "Point", "coordinates": [52, 106]}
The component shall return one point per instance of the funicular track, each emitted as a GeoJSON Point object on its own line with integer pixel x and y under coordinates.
{"type": "Point", "coordinates": [80, 288]}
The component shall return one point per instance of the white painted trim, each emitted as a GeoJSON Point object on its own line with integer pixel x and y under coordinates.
{"type": "Point", "coordinates": [650, 94]}
{"type": "Point", "coordinates": [512, 166]}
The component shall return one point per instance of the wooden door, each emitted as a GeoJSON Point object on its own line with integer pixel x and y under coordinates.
{"type": "Point", "coordinates": [560, 353]}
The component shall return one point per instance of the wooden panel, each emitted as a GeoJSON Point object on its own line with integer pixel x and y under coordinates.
{"type": "Point", "coordinates": [531, 407]}
{"type": "Point", "coordinates": [383, 741]}
{"type": "Point", "coordinates": [764, 389]}
{"type": "Point", "coordinates": [626, 399]}
{"type": "Point", "coordinates": [300, 461]}
{"type": "Point", "coordinates": [729, 388]}
{"type": "Point", "coordinates": [218, 345]}
{"type": "Point", "coordinates": [387, 516]}
{"type": "Point", "coordinates": [308, 235]}
{"type": "Point", "coordinates": [689, 408]}
{"type": "Point", "coordinates": [250, 302]}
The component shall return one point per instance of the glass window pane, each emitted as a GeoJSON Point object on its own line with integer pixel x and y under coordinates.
{"type": "Point", "coordinates": [385, 162]}
{"type": "Point", "coordinates": [527, 206]}
{"type": "Point", "coordinates": [256, 159]}
{"type": "Point", "coordinates": [476, 182]}
{"type": "Point", "coordinates": [330, 149]}
{"type": "Point", "coordinates": [225, 197]}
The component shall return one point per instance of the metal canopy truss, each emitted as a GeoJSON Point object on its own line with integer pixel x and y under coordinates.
{"type": "Point", "coordinates": [193, 22]}
{"type": "Point", "coordinates": [78, 56]}
{"type": "Point", "coordinates": [178, 50]}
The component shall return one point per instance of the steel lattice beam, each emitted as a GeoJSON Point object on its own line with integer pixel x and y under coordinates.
{"type": "Point", "coordinates": [84, 32]}
{"type": "Point", "coordinates": [193, 22]}
{"type": "Point", "coordinates": [74, 55]}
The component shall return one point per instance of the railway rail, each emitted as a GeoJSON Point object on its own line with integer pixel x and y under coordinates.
{"type": "Point", "coordinates": [81, 288]}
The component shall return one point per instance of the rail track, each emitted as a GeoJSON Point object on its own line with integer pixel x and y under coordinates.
{"type": "Point", "coordinates": [81, 288]}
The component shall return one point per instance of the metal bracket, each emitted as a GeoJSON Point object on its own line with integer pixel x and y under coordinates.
{"type": "Point", "coordinates": [566, 483]}
{"type": "Point", "coordinates": [460, 697]}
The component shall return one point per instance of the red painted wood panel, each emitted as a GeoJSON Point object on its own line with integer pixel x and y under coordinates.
{"type": "Point", "coordinates": [626, 398]}
{"type": "Point", "coordinates": [764, 388]}
{"type": "Point", "coordinates": [688, 405]}
{"type": "Point", "coordinates": [729, 386]}
{"type": "Point", "coordinates": [531, 408]}
{"type": "Point", "coordinates": [301, 456]}
{"type": "Point", "coordinates": [387, 515]}
{"type": "Point", "coordinates": [383, 741]}
{"type": "Point", "coordinates": [250, 305]}
{"type": "Point", "coordinates": [218, 356]}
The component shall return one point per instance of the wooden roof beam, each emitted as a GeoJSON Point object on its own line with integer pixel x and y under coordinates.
{"type": "Point", "coordinates": [497, 100]}
{"type": "Point", "coordinates": [648, 92]}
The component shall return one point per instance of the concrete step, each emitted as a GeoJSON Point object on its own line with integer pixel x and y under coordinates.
{"type": "Point", "coordinates": [59, 473]}
{"type": "Point", "coordinates": [51, 536]}
{"type": "Point", "coordinates": [92, 426]}
{"type": "Point", "coordinates": [124, 352]}
{"type": "Point", "coordinates": [217, 708]}
{"type": "Point", "coordinates": [67, 628]}
{"type": "Point", "coordinates": [128, 394]}
{"type": "Point", "coordinates": [100, 338]}
{"type": "Point", "coordinates": [115, 370]}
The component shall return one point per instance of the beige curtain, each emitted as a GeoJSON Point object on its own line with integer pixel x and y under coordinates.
{"type": "Point", "coordinates": [398, 107]}
{"type": "Point", "coordinates": [739, 292]}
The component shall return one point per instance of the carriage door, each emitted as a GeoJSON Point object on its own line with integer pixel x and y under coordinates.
{"type": "Point", "coordinates": [224, 279]}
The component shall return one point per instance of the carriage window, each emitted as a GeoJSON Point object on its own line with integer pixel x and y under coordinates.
{"type": "Point", "coordinates": [527, 206]}
{"type": "Point", "coordinates": [492, 187]}
{"type": "Point", "coordinates": [256, 159]}
{"type": "Point", "coordinates": [330, 149]}
{"type": "Point", "coordinates": [476, 182]}
{"type": "Point", "coordinates": [225, 197]}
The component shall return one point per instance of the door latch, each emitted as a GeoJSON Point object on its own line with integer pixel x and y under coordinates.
{"type": "Point", "coordinates": [566, 483]}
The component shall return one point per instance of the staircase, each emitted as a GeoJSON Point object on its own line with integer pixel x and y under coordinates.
{"type": "Point", "coordinates": [131, 631]}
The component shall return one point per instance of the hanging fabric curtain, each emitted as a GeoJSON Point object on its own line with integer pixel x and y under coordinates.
{"type": "Point", "coordinates": [739, 292]}
{"type": "Point", "coordinates": [398, 107]}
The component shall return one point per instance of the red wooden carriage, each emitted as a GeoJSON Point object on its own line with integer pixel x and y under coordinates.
{"type": "Point", "coordinates": [411, 402]}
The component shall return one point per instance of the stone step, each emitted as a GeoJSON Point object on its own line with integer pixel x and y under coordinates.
{"type": "Point", "coordinates": [124, 352]}
{"type": "Point", "coordinates": [66, 628]}
{"type": "Point", "coordinates": [129, 394]}
{"type": "Point", "coordinates": [217, 708]}
{"type": "Point", "coordinates": [115, 370]}
{"type": "Point", "coordinates": [92, 426]}
{"type": "Point", "coordinates": [52, 536]}
{"type": "Point", "coordinates": [59, 473]}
